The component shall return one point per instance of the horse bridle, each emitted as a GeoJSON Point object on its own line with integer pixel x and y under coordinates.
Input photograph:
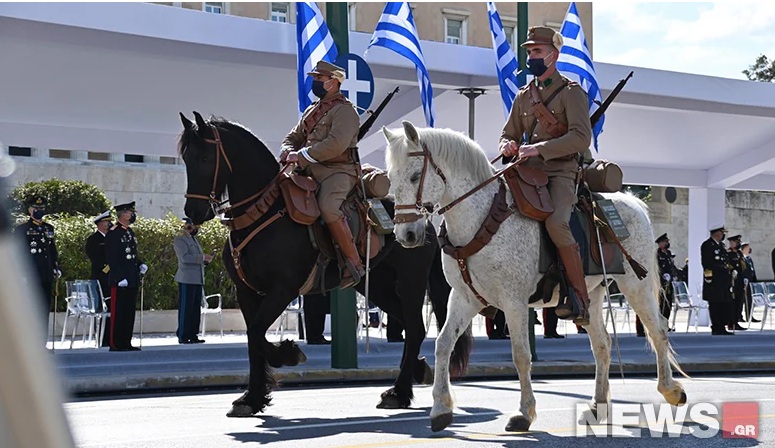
{"type": "Point", "coordinates": [419, 209]}
{"type": "Point", "coordinates": [219, 152]}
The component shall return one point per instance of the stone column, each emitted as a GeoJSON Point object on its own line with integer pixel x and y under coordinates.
{"type": "Point", "coordinates": [707, 207]}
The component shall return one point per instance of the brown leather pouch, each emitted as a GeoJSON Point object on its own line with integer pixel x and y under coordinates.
{"type": "Point", "coordinates": [529, 187]}
{"type": "Point", "coordinates": [299, 195]}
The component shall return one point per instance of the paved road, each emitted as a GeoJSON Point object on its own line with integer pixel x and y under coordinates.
{"type": "Point", "coordinates": [346, 417]}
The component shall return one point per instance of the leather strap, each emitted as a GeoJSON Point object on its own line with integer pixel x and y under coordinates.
{"type": "Point", "coordinates": [319, 112]}
{"type": "Point", "coordinates": [236, 252]}
{"type": "Point", "coordinates": [499, 212]}
{"type": "Point", "coordinates": [542, 113]}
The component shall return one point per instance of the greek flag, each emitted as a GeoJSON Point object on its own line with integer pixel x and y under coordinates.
{"type": "Point", "coordinates": [576, 63]}
{"type": "Point", "coordinates": [505, 61]}
{"type": "Point", "coordinates": [314, 43]}
{"type": "Point", "coordinates": [396, 31]}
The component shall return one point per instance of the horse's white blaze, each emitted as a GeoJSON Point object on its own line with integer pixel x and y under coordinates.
{"type": "Point", "coordinates": [505, 272]}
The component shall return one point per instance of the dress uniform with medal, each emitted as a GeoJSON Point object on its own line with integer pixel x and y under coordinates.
{"type": "Point", "coordinates": [95, 250]}
{"type": "Point", "coordinates": [39, 241]}
{"type": "Point", "coordinates": [124, 277]}
{"type": "Point", "coordinates": [717, 280]}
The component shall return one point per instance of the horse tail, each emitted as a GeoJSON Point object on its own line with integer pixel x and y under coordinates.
{"type": "Point", "coordinates": [438, 291]}
{"type": "Point", "coordinates": [657, 287]}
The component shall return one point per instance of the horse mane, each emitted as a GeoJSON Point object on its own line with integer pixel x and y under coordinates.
{"type": "Point", "coordinates": [455, 148]}
{"type": "Point", "coordinates": [224, 125]}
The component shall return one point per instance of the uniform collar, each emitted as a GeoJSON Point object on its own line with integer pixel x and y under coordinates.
{"type": "Point", "coordinates": [551, 80]}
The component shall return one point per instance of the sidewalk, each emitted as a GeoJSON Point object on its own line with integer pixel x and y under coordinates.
{"type": "Point", "coordinates": [223, 362]}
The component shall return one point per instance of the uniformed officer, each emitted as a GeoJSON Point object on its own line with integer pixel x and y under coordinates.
{"type": "Point", "coordinates": [95, 250]}
{"type": "Point", "coordinates": [717, 276]}
{"type": "Point", "coordinates": [39, 241]}
{"type": "Point", "coordinates": [556, 154]}
{"type": "Point", "coordinates": [323, 144]}
{"type": "Point", "coordinates": [739, 283]}
{"type": "Point", "coordinates": [668, 273]}
{"type": "Point", "coordinates": [123, 276]}
{"type": "Point", "coordinates": [749, 276]}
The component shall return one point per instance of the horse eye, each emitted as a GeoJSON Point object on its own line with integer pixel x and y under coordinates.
{"type": "Point", "coordinates": [415, 177]}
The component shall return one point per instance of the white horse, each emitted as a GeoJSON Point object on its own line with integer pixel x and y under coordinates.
{"type": "Point", "coordinates": [505, 272]}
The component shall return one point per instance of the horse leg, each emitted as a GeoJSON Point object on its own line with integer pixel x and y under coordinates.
{"type": "Point", "coordinates": [517, 319]}
{"type": "Point", "coordinates": [256, 397]}
{"type": "Point", "coordinates": [460, 312]}
{"type": "Point", "coordinates": [644, 300]}
{"type": "Point", "coordinates": [411, 292]}
{"type": "Point", "coordinates": [600, 341]}
{"type": "Point", "coordinates": [287, 352]}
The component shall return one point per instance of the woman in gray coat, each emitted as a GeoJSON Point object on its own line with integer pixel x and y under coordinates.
{"type": "Point", "coordinates": [191, 279]}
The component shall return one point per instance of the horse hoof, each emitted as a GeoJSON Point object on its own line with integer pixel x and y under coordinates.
{"type": "Point", "coordinates": [391, 400]}
{"type": "Point", "coordinates": [682, 400]}
{"type": "Point", "coordinates": [440, 422]}
{"type": "Point", "coordinates": [518, 423]}
{"type": "Point", "coordinates": [240, 410]}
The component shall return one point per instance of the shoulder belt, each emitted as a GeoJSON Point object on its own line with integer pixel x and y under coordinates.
{"type": "Point", "coordinates": [319, 112]}
{"type": "Point", "coordinates": [542, 113]}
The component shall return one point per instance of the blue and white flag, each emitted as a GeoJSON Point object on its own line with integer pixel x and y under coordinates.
{"type": "Point", "coordinates": [396, 31]}
{"type": "Point", "coordinates": [314, 43]}
{"type": "Point", "coordinates": [575, 62]}
{"type": "Point", "coordinates": [505, 61]}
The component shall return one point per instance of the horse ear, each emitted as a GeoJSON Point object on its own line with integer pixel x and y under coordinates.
{"type": "Point", "coordinates": [200, 122]}
{"type": "Point", "coordinates": [411, 132]}
{"type": "Point", "coordinates": [389, 135]}
{"type": "Point", "coordinates": [187, 124]}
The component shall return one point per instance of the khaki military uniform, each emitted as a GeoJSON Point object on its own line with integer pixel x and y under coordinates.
{"type": "Point", "coordinates": [557, 155]}
{"type": "Point", "coordinates": [331, 144]}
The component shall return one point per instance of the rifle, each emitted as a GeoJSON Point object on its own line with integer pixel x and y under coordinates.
{"type": "Point", "coordinates": [610, 99]}
{"type": "Point", "coordinates": [374, 114]}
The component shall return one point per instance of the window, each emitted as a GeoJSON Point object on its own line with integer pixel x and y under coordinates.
{"type": "Point", "coordinates": [279, 12]}
{"type": "Point", "coordinates": [134, 158]}
{"type": "Point", "coordinates": [352, 13]}
{"type": "Point", "coordinates": [164, 160]}
{"type": "Point", "coordinates": [454, 31]}
{"type": "Point", "coordinates": [509, 31]}
{"type": "Point", "coordinates": [215, 7]}
{"type": "Point", "coordinates": [103, 156]}
{"type": "Point", "coordinates": [19, 151]}
{"type": "Point", "coordinates": [59, 153]}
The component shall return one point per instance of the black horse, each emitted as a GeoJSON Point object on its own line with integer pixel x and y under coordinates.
{"type": "Point", "coordinates": [221, 155]}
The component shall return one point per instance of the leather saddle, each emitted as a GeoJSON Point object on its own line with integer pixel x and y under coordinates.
{"type": "Point", "coordinates": [299, 193]}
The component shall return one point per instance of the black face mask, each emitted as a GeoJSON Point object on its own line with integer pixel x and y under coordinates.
{"type": "Point", "coordinates": [38, 214]}
{"type": "Point", "coordinates": [536, 66]}
{"type": "Point", "coordinates": [194, 232]}
{"type": "Point", "coordinates": [318, 89]}
{"type": "Point", "coordinates": [667, 245]}
{"type": "Point", "coordinates": [132, 218]}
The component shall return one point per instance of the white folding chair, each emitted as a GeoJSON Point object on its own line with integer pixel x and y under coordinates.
{"type": "Point", "coordinates": [294, 309]}
{"type": "Point", "coordinates": [206, 309]}
{"type": "Point", "coordinates": [98, 311]}
{"type": "Point", "coordinates": [72, 310]}
{"type": "Point", "coordinates": [682, 301]}
{"type": "Point", "coordinates": [768, 303]}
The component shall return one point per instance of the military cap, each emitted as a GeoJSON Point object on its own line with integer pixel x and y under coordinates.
{"type": "Point", "coordinates": [737, 238]}
{"type": "Point", "coordinates": [38, 202]}
{"type": "Point", "coordinates": [186, 221]}
{"type": "Point", "coordinates": [130, 206]}
{"type": "Point", "coordinates": [104, 216]}
{"type": "Point", "coordinates": [745, 243]}
{"type": "Point", "coordinates": [716, 228]}
{"type": "Point", "coordinates": [543, 35]}
{"type": "Point", "coordinates": [661, 238]}
{"type": "Point", "coordinates": [328, 69]}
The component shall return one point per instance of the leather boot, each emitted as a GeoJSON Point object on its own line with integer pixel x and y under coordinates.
{"type": "Point", "coordinates": [343, 238]}
{"type": "Point", "coordinates": [574, 272]}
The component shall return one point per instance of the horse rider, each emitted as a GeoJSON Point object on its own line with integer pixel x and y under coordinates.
{"type": "Point", "coordinates": [323, 144]}
{"type": "Point", "coordinates": [556, 154]}
{"type": "Point", "coordinates": [717, 277]}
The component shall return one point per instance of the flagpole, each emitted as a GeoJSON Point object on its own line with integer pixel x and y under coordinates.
{"type": "Point", "coordinates": [344, 348]}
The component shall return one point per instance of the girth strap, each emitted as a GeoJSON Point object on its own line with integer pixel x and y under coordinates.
{"type": "Point", "coordinates": [499, 212]}
{"type": "Point", "coordinates": [236, 252]}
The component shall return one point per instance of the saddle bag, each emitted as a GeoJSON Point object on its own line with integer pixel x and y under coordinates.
{"type": "Point", "coordinates": [603, 176]}
{"type": "Point", "coordinates": [528, 186]}
{"type": "Point", "coordinates": [299, 195]}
